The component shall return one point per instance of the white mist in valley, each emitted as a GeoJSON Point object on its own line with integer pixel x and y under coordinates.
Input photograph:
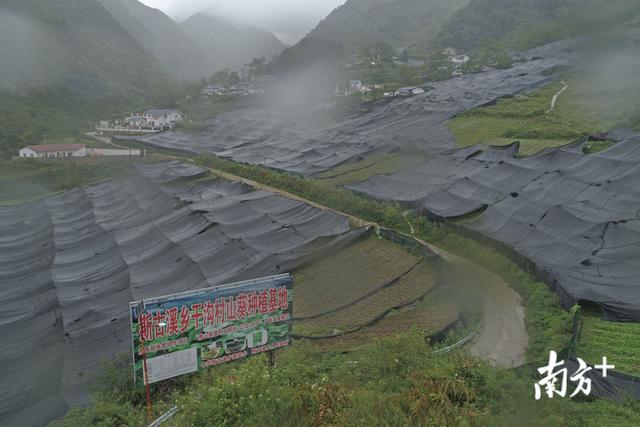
{"type": "Point", "coordinates": [289, 20]}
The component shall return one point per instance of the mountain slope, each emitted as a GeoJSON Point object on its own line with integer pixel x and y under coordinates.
{"type": "Point", "coordinates": [160, 35]}
{"type": "Point", "coordinates": [523, 24]}
{"type": "Point", "coordinates": [400, 23]}
{"type": "Point", "coordinates": [65, 63]}
{"type": "Point", "coordinates": [228, 45]}
{"type": "Point", "coordinates": [72, 43]}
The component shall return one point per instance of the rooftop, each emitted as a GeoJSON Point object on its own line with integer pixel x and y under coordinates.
{"type": "Point", "coordinates": [47, 148]}
{"type": "Point", "coordinates": [160, 112]}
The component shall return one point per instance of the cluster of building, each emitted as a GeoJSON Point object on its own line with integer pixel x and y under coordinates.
{"type": "Point", "coordinates": [408, 91]}
{"type": "Point", "coordinates": [354, 86]}
{"type": "Point", "coordinates": [458, 60]}
{"type": "Point", "coordinates": [151, 121]}
{"type": "Point", "coordinates": [71, 151]}
{"type": "Point", "coordinates": [257, 86]}
{"type": "Point", "coordinates": [357, 86]}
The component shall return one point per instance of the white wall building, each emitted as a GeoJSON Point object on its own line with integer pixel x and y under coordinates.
{"type": "Point", "coordinates": [460, 60]}
{"type": "Point", "coordinates": [162, 118]}
{"type": "Point", "coordinates": [97, 152]}
{"type": "Point", "coordinates": [54, 151]}
{"type": "Point", "coordinates": [410, 91]}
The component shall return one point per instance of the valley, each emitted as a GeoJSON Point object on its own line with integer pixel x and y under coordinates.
{"type": "Point", "coordinates": [451, 184]}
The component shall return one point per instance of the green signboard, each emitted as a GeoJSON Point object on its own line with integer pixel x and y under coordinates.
{"type": "Point", "coordinates": [183, 333]}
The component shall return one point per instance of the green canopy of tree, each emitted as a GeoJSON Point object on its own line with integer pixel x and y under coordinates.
{"type": "Point", "coordinates": [522, 24]}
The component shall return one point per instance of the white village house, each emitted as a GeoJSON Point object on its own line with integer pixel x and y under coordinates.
{"type": "Point", "coordinates": [460, 60]}
{"type": "Point", "coordinates": [54, 151]}
{"type": "Point", "coordinates": [136, 121]}
{"type": "Point", "coordinates": [410, 91]}
{"type": "Point", "coordinates": [162, 119]}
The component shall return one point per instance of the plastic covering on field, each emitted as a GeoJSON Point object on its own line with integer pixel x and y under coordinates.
{"type": "Point", "coordinates": [262, 136]}
{"type": "Point", "coordinates": [71, 263]}
{"type": "Point", "coordinates": [576, 216]}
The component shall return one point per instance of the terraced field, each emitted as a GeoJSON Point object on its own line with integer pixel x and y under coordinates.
{"type": "Point", "coordinates": [375, 287]}
{"type": "Point", "coordinates": [585, 107]}
{"type": "Point", "coordinates": [525, 118]}
{"type": "Point", "coordinates": [430, 315]}
{"type": "Point", "coordinates": [373, 165]}
{"type": "Point", "coordinates": [620, 342]}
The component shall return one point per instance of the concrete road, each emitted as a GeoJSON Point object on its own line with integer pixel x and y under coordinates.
{"type": "Point", "coordinates": [502, 339]}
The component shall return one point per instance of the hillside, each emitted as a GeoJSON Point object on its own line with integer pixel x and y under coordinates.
{"type": "Point", "coordinates": [400, 23]}
{"type": "Point", "coordinates": [64, 64]}
{"type": "Point", "coordinates": [180, 56]}
{"type": "Point", "coordinates": [522, 24]}
{"type": "Point", "coordinates": [72, 43]}
{"type": "Point", "coordinates": [228, 45]}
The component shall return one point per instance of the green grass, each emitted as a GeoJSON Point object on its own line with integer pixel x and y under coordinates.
{"type": "Point", "coordinates": [582, 109]}
{"type": "Point", "coordinates": [380, 164]}
{"type": "Point", "coordinates": [392, 381]}
{"type": "Point", "coordinates": [620, 342]}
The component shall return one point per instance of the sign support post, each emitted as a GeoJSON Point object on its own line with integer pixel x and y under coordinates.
{"type": "Point", "coordinates": [147, 388]}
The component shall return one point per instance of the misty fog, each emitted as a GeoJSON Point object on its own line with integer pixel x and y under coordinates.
{"type": "Point", "coordinates": [289, 20]}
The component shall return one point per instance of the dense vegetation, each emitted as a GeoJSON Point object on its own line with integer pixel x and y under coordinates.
{"type": "Point", "coordinates": [67, 64]}
{"type": "Point", "coordinates": [522, 24]}
{"type": "Point", "coordinates": [226, 44]}
{"type": "Point", "coordinates": [399, 23]}
{"type": "Point", "coordinates": [310, 51]}
{"type": "Point", "coordinates": [75, 44]}
{"type": "Point", "coordinates": [179, 55]}
{"type": "Point", "coordinates": [391, 381]}
{"type": "Point", "coordinates": [27, 116]}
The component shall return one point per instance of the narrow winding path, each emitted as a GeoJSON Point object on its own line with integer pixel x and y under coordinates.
{"type": "Point", "coordinates": [554, 100]}
{"type": "Point", "coordinates": [502, 339]}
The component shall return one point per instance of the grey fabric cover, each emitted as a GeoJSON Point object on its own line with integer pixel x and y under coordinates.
{"type": "Point", "coordinates": [265, 136]}
{"type": "Point", "coordinates": [71, 263]}
{"type": "Point", "coordinates": [575, 216]}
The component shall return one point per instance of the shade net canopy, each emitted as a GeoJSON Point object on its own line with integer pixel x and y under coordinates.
{"type": "Point", "coordinates": [575, 216]}
{"type": "Point", "coordinates": [71, 263]}
{"type": "Point", "coordinates": [311, 145]}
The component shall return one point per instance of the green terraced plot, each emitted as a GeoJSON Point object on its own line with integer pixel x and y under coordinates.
{"type": "Point", "coordinates": [581, 109]}
{"type": "Point", "coordinates": [620, 342]}
{"type": "Point", "coordinates": [374, 165]}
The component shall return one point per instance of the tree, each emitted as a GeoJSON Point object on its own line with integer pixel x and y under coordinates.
{"type": "Point", "coordinates": [404, 55]}
{"type": "Point", "coordinates": [225, 77]}
{"type": "Point", "coordinates": [234, 78]}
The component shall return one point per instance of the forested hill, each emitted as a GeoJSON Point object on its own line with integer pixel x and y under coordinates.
{"type": "Point", "coordinates": [75, 44]}
{"type": "Point", "coordinates": [399, 23]}
{"type": "Point", "coordinates": [522, 24]}
{"type": "Point", "coordinates": [65, 63]}
{"type": "Point", "coordinates": [228, 45]}
{"type": "Point", "coordinates": [180, 56]}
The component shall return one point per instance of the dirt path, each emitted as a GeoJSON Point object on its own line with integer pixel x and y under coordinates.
{"type": "Point", "coordinates": [502, 339]}
{"type": "Point", "coordinates": [554, 100]}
